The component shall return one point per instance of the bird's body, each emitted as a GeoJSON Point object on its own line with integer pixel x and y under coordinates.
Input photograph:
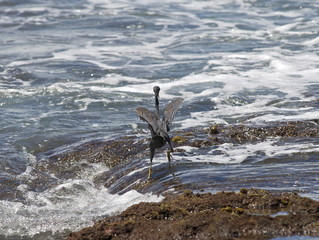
{"type": "Point", "coordinates": [159, 127]}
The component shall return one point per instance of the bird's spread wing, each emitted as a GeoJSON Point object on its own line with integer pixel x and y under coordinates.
{"type": "Point", "coordinates": [147, 116]}
{"type": "Point", "coordinates": [171, 109]}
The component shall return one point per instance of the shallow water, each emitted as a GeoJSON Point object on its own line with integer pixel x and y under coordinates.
{"type": "Point", "coordinates": [72, 72]}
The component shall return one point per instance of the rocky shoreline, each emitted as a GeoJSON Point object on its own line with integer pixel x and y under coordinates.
{"type": "Point", "coordinates": [119, 151]}
{"type": "Point", "coordinates": [247, 214]}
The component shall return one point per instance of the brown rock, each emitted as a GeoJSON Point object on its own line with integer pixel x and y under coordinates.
{"type": "Point", "coordinates": [225, 215]}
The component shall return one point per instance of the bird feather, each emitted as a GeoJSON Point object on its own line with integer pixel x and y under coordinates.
{"type": "Point", "coordinates": [171, 109]}
{"type": "Point", "coordinates": [147, 116]}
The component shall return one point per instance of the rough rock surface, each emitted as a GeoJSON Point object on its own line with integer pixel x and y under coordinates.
{"type": "Point", "coordinates": [249, 214]}
{"type": "Point", "coordinates": [120, 150]}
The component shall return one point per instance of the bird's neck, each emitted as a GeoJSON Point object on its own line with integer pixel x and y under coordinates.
{"type": "Point", "coordinates": [157, 106]}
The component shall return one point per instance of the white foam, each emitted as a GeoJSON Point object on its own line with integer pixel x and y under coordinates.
{"type": "Point", "coordinates": [70, 205]}
{"type": "Point", "coordinates": [300, 115]}
{"type": "Point", "coordinates": [66, 212]}
{"type": "Point", "coordinates": [312, 42]}
{"type": "Point", "coordinates": [229, 153]}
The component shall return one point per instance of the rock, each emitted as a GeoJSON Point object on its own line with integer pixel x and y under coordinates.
{"type": "Point", "coordinates": [121, 150]}
{"type": "Point", "coordinates": [249, 214]}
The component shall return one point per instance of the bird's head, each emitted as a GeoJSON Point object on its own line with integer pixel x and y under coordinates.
{"type": "Point", "coordinates": [156, 90]}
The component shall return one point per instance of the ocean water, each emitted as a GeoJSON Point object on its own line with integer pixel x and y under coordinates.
{"type": "Point", "coordinates": [74, 71]}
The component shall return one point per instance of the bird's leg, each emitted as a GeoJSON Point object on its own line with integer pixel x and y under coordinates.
{"type": "Point", "coordinates": [168, 153]}
{"type": "Point", "coordinates": [170, 144]}
{"type": "Point", "coordinates": [149, 172]}
{"type": "Point", "coordinates": [152, 149]}
{"type": "Point", "coordinates": [169, 157]}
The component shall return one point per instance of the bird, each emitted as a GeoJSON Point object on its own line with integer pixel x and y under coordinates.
{"type": "Point", "coordinates": [159, 128]}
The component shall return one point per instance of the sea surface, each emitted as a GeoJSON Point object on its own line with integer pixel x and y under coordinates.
{"type": "Point", "coordinates": [72, 72]}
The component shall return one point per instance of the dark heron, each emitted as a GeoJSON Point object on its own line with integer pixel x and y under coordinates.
{"type": "Point", "coordinates": [159, 128]}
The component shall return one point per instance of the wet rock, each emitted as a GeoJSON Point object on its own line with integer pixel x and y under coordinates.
{"type": "Point", "coordinates": [249, 214]}
{"type": "Point", "coordinates": [213, 129]}
{"type": "Point", "coordinates": [120, 151]}
{"type": "Point", "coordinates": [112, 152]}
{"type": "Point", "coordinates": [179, 139]}
{"type": "Point", "coordinates": [293, 129]}
{"type": "Point", "coordinates": [123, 154]}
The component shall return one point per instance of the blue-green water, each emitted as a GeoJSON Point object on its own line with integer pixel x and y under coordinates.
{"type": "Point", "coordinates": [73, 71]}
